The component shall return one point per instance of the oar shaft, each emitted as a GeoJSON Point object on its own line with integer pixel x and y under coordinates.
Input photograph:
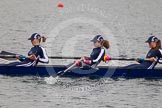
{"type": "Point", "coordinates": [70, 67]}
{"type": "Point", "coordinates": [7, 56]}
{"type": "Point", "coordinates": [66, 70]}
{"type": "Point", "coordinates": [55, 57]}
{"type": "Point", "coordinates": [51, 57]}
{"type": "Point", "coordinates": [124, 59]}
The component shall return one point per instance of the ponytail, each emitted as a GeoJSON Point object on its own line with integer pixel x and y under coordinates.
{"type": "Point", "coordinates": [106, 44]}
{"type": "Point", "coordinates": [158, 45]}
{"type": "Point", "coordinates": [43, 38]}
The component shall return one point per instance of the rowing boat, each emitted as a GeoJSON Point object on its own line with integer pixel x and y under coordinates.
{"type": "Point", "coordinates": [53, 70]}
{"type": "Point", "coordinates": [102, 71]}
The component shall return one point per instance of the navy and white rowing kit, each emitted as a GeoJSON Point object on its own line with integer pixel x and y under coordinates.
{"type": "Point", "coordinates": [97, 56]}
{"type": "Point", "coordinates": [148, 64]}
{"type": "Point", "coordinates": [40, 54]}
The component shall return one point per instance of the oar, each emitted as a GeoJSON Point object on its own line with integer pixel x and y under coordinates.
{"type": "Point", "coordinates": [7, 56]}
{"type": "Point", "coordinates": [7, 53]}
{"type": "Point", "coordinates": [66, 70]}
{"type": "Point", "coordinates": [129, 59]}
{"type": "Point", "coordinates": [54, 79]}
{"type": "Point", "coordinates": [124, 59]}
{"type": "Point", "coordinates": [55, 57]}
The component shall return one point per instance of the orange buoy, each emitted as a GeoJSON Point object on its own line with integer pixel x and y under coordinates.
{"type": "Point", "coordinates": [107, 58]}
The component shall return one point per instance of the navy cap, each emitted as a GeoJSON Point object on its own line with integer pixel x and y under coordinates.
{"type": "Point", "coordinates": [97, 38]}
{"type": "Point", "coordinates": [152, 39]}
{"type": "Point", "coordinates": [34, 36]}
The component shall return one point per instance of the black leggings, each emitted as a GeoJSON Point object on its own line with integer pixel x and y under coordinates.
{"type": "Point", "coordinates": [19, 64]}
{"type": "Point", "coordinates": [136, 66]}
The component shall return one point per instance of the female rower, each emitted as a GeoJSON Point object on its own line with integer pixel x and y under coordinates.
{"type": "Point", "coordinates": [36, 54]}
{"type": "Point", "coordinates": [98, 52]}
{"type": "Point", "coordinates": [152, 57]}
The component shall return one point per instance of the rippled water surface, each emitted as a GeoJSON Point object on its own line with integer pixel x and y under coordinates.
{"type": "Point", "coordinates": [81, 92]}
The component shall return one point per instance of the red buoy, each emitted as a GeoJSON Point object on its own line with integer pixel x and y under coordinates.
{"type": "Point", "coordinates": [60, 5]}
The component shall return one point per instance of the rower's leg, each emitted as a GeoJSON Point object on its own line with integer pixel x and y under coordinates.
{"type": "Point", "coordinates": [135, 66]}
{"type": "Point", "coordinates": [18, 64]}
{"type": "Point", "coordinates": [14, 64]}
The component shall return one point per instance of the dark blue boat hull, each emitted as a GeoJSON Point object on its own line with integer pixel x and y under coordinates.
{"type": "Point", "coordinates": [113, 72]}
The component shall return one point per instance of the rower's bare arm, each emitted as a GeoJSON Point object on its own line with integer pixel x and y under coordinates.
{"type": "Point", "coordinates": [32, 57]}
{"type": "Point", "coordinates": [152, 59]}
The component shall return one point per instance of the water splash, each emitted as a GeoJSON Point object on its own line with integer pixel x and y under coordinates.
{"type": "Point", "coordinates": [51, 80]}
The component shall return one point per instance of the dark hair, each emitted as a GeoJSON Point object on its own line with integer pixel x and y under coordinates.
{"type": "Point", "coordinates": [106, 44]}
{"type": "Point", "coordinates": [158, 45]}
{"type": "Point", "coordinates": [43, 39]}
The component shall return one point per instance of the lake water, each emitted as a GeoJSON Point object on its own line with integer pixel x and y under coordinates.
{"type": "Point", "coordinates": [125, 23]}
